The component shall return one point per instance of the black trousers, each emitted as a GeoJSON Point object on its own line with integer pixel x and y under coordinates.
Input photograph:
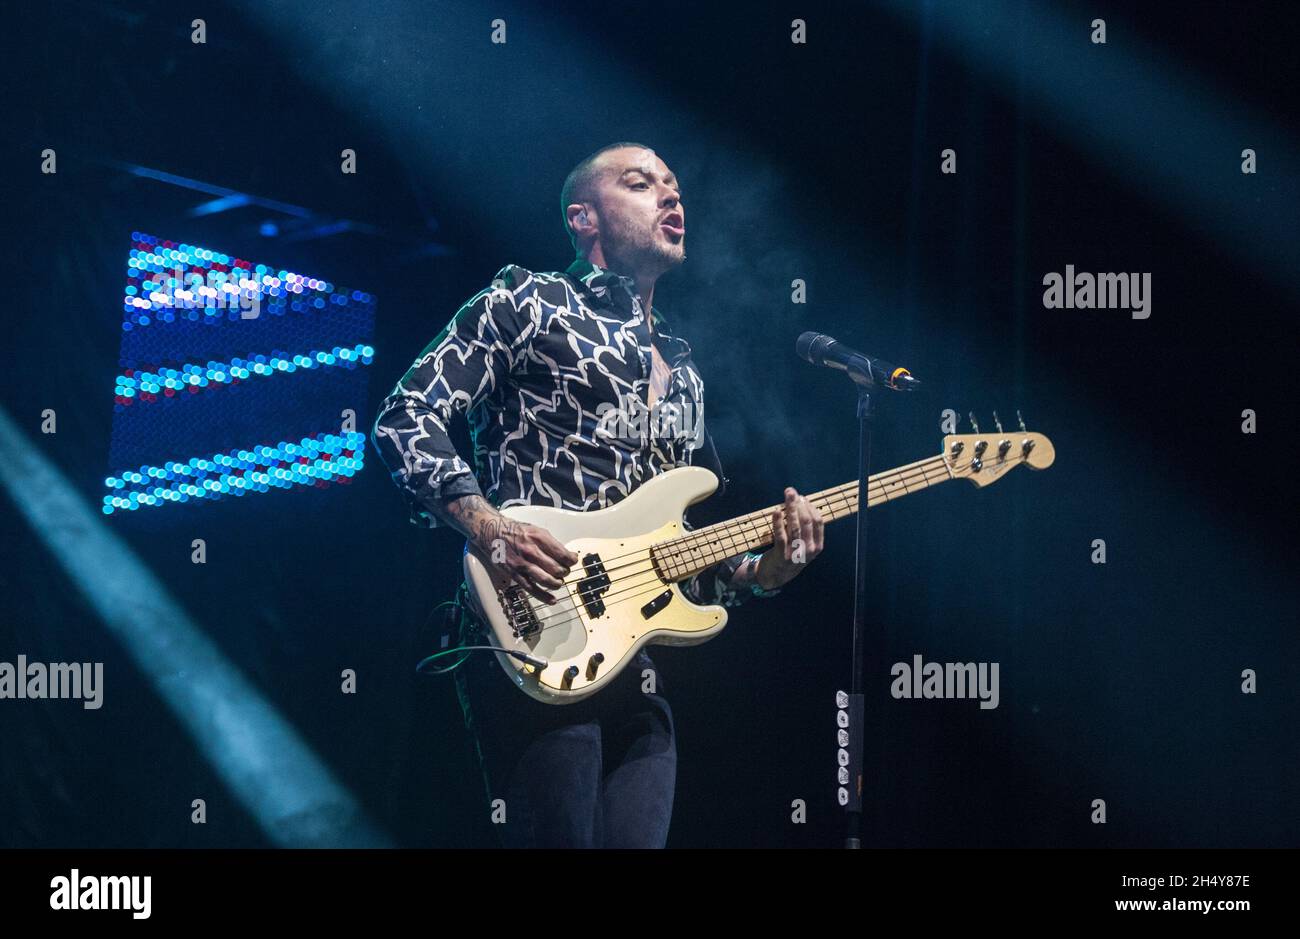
{"type": "Point", "coordinates": [598, 773]}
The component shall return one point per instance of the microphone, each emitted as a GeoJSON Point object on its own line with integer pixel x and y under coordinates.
{"type": "Point", "coordinates": [820, 349]}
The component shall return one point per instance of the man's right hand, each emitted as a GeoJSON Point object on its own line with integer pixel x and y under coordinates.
{"type": "Point", "coordinates": [531, 556]}
{"type": "Point", "coordinates": [519, 552]}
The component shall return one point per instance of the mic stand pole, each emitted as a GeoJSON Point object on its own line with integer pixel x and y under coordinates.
{"type": "Point", "coordinates": [850, 795]}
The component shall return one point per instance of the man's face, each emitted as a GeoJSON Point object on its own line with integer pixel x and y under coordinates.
{"type": "Point", "coordinates": [639, 204]}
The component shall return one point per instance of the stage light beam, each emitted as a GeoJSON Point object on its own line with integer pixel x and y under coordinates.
{"type": "Point", "coordinates": [273, 773]}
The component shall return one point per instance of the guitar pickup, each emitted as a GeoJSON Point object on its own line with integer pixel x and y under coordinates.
{"type": "Point", "coordinates": [657, 604]}
{"type": "Point", "coordinates": [591, 587]}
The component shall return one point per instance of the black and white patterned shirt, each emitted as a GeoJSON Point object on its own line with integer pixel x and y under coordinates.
{"type": "Point", "coordinates": [552, 371]}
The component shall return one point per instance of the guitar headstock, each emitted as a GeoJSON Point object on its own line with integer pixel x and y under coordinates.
{"type": "Point", "coordinates": [984, 458]}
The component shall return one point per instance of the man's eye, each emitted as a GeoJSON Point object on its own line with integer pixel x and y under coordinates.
{"type": "Point", "coordinates": [640, 185]}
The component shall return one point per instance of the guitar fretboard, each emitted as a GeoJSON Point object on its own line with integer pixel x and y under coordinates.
{"type": "Point", "coordinates": [689, 554]}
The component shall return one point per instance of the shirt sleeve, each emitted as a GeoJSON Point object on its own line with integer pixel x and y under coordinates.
{"type": "Point", "coordinates": [465, 364]}
{"type": "Point", "coordinates": [716, 585]}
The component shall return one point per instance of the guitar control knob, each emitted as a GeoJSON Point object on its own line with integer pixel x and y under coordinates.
{"type": "Point", "coordinates": [570, 673]}
{"type": "Point", "coordinates": [593, 663]}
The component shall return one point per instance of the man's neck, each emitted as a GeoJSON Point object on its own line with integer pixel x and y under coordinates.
{"type": "Point", "coordinates": [647, 294]}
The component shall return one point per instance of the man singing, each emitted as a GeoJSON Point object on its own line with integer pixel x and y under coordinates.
{"type": "Point", "coordinates": [538, 362]}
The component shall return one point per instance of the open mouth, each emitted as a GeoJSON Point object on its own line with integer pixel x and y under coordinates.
{"type": "Point", "coordinates": [673, 224]}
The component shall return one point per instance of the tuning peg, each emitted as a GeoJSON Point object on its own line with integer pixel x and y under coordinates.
{"type": "Point", "coordinates": [1021, 420]}
{"type": "Point", "coordinates": [997, 423]}
{"type": "Point", "coordinates": [973, 422]}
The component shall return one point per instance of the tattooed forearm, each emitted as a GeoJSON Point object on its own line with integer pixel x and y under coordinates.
{"type": "Point", "coordinates": [474, 517]}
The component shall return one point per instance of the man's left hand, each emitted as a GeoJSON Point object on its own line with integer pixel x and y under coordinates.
{"type": "Point", "coordinates": [796, 539]}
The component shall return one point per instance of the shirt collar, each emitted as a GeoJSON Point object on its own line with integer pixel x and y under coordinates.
{"type": "Point", "coordinates": [595, 276]}
{"type": "Point", "coordinates": [600, 279]}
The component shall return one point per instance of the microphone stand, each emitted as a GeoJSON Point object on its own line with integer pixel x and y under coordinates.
{"type": "Point", "coordinates": [867, 374]}
{"type": "Point", "coordinates": [857, 737]}
{"type": "Point", "coordinates": [851, 714]}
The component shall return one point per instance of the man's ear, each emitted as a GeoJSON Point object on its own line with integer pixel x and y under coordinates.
{"type": "Point", "coordinates": [580, 220]}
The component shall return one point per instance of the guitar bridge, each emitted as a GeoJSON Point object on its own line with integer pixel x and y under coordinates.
{"type": "Point", "coordinates": [523, 621]}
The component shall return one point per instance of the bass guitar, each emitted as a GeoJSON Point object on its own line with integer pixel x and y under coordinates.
{"type": "Point", "coordinates": [624, 593]}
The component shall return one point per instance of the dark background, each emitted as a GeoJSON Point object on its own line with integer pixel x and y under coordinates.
{"type": "Point", "coordinates": [820, 161]}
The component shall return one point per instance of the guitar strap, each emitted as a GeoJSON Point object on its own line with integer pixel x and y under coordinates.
{"type": "Point", "coordinates": [709, 459]}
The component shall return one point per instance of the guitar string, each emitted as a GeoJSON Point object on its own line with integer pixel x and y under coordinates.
{"type": "Point", "coordinates": [734, 527]}
{"type": "Point", "coordinates": [843, 494]}
{"type": "Point", "coordinates": [737, 527]}
{"type": "Point", "coordinates": [644, 588]}
{"type": "Point", "coordinates": [670, 553]}
{"type": "Point", "coordinates": [731, 528]}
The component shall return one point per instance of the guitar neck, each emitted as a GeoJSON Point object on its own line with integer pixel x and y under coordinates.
{"type": "Point", "coordinates": [699, 550]}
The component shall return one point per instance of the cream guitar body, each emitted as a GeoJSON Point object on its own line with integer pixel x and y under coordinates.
{"type": "Point", "coordinates": [595, 628]}
{"type": "Point", "coordinates": [623, 594]}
